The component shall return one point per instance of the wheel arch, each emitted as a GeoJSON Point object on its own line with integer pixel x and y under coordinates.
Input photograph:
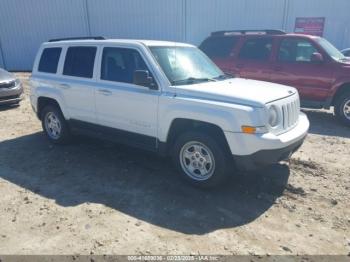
{"type": "Point", "coordinates": [43, 101]}
{"type": "Point", "coordinates": [180, 125]}
{"type": "Point", "coordinates": [343, 88]}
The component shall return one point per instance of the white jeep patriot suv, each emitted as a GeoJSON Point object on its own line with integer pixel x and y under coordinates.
{"type": "Point", "coordinates": [165, 97]}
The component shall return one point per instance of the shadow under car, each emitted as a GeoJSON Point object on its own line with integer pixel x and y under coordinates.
{"type": "Point", "coordinates": [136, 183]}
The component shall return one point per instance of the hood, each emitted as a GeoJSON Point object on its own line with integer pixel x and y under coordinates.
{"type": "Point", "coordinates": [6, 76]}
{"type": "Point", "coordinates": [238, 90]}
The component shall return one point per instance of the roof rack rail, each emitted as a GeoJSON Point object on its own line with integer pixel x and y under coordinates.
{"type": "Point", "coordinates": [78, 38]}
{"type": "Point", "coordinates": [258, 31]}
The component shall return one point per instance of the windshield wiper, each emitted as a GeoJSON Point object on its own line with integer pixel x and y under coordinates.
{"type": "Point", "coordinates": [191, 80]}
{"type": "Point", "coordinates": [224, 76]}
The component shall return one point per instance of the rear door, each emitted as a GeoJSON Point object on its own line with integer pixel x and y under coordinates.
{"type": "Point", "coordinates": [293, 67]}
{"type": "Point", "coordinates": [253, 60]}
{"type": "Point", "coordinates": [77, 83]}
{"type": "Point", "coordinates": [221, 50]}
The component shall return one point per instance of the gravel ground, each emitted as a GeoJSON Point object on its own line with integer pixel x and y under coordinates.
{"type": "Point", "coordinates": [94, 197]}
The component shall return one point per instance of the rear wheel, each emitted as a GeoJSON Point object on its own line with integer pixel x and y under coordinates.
{"type": "Point", "coordinates": [342, 108]}
{"type": "Point", "coordinates": [54, 125]}
{"type": "Point", "coordinates": [201, 160]}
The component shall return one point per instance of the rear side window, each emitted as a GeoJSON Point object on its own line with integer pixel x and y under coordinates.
{"type": "Point", "coordinates": [80, 61]}
{"type": "Point", "coordinates": [256, 49]}
{"type": "Point", "coordinates": [49, 60]}
{"type": "Point", "coordinates": [219, 47]}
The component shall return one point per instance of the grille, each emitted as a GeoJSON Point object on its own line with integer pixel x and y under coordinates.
{"type": "Point", "coordinates": [290, 112]}
{"type": "Point", "coordinates": [4, 98]}
{"type": "Point", "coordinates": [11, 84]}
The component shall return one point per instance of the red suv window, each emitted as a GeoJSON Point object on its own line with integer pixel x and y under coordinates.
{"type": "Point", "coordinates": [219, 47]}
{"type": "Point", "coordinates": [256, 49]}
{"type": "Point", "coordinates": [296, 50]}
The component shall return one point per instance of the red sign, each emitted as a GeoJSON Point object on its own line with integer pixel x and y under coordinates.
{"type": "Point", "coordinates": [309, 25]}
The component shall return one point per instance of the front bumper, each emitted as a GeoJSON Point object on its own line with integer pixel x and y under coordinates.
{"type": "Point", "coordinates": [11, 95]}
{"type": "Point", "coordinates": [266, 157]}
{"type": "Point", "coordinates": [253, 151]}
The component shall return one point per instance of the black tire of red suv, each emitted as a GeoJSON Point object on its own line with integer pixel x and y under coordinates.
{"type": "Point", "coordinates": [58, 124]}
{"type": "Point", "coordinates": [210, 149]}
{"type": "Point", "coordinates": [341, 106]}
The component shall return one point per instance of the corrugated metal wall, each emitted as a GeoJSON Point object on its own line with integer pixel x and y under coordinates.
{"type": "Point", "coordinates": [156, 19]}
{"type": "Point", "coordinates": [204, 17]}
{"type": "Point", "coordinates": [337, 27]}
{"type": "Point", "coordinates": [24, 24]}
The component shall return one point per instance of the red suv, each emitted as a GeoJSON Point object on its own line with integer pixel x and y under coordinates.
{"type": "Point", "coordinates": [314, 66]}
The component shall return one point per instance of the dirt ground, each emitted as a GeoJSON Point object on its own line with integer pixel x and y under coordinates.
{"type": "Point", "coordinates": [94, 197]}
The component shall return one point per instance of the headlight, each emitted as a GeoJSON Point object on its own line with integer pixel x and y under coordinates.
{"type": "Point", "coordinates": [273, 116]}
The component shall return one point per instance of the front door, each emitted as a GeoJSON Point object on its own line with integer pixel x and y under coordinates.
{"type": "Point", "coordinates": [294, 67]}
{"type": "Point", "coordinates": [129, 109]}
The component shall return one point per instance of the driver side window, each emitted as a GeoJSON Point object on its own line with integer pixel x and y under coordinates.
{"type": "Point", "coordinates": [119, 64]}
{"type": "Point", "coordinates": [296, 50]}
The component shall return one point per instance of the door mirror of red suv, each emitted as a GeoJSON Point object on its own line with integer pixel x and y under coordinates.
{"type": "Point", "coordinates": [316, 58]}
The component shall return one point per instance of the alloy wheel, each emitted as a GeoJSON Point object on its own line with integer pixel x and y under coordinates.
{"type": "Point", "coordinates": [197, 161]}
{"type": "Point", "coordinates": [53, 125]}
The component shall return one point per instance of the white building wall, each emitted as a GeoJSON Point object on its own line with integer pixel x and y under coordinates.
{"type": "Point", "coordinates": [156, 19]}
{"type": "Point", "coordinates": [25, 24]}
{"type": "Point", "coordinates": [204, 17]}
{"type": "Point", "coordinates": [336, 12]}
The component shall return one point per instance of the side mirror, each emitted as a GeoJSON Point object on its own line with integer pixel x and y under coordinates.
{"type": "Point", "coordinates": [142, 78]}
{"type": "Point", "coordinates": [316, 58]}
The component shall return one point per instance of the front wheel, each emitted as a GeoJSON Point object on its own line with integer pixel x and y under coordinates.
{"type": "Point", "coordinates": [54, 125]}
{"type": "Point", "coordinates": [342, 108]}
{"type": "Point", "coordinates": [201, 160]}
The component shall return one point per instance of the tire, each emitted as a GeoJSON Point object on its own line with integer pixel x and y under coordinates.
{"type": "Point", "coordinates": [201, 160]}
{"type": "Point", "coordinates": [54, 125]}
{"type": "Point", "coordinates": [342, 108]}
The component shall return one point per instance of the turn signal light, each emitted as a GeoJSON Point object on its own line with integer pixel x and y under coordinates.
{"type": "Point", "coordinates": [248, 129]}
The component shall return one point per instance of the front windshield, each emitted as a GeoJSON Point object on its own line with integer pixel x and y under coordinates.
{"type": "Point", "coordinates": [331, 49]}
{"type": "Point", "coordinates": [186, 65]}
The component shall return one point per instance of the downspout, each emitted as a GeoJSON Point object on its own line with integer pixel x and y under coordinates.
{"type": "Point", "coordinates": [285, 15]}
{"type": "Point", "coordinates": [2, 59]}
{"type": "Point", "coordinates": [87, 17]}
{"type": "Point", "coordinates": [184, 16]}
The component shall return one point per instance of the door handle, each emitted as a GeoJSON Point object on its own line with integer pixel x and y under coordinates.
{"type": "Point", "coordinates": [240, 66]}
{"type": "Point", "coordinates": [64, 86]}
{"type": "Point", "coordinates": [105, 92]}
